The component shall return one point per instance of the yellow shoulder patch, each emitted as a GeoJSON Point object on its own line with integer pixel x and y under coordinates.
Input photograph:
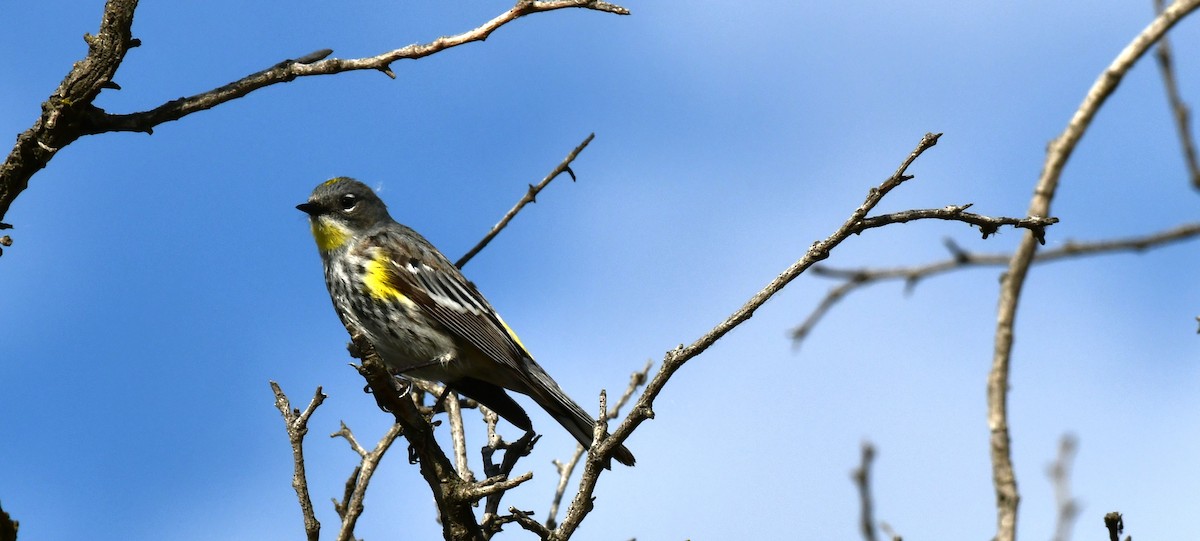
{"type": "Point", "coordinates": [378, 286]}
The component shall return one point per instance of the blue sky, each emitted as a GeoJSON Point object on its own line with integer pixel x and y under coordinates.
{"type": "Point", "coordinates": [158, 282]}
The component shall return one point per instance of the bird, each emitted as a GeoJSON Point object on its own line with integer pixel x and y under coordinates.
{"type": "Point", "coordinates": [422, 316]}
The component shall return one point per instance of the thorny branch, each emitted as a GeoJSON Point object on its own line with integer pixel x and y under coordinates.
{"type": "Point", "coordinates": [1060, 149]}
{"type": "Point", "coordinates": [69, 114]}
{"type": "Point", "coordinates": [530, 197]}
{"type": "Point", "coordinates": [855, 279]}
{"type": "Point", "coordinates": [1179, 109]}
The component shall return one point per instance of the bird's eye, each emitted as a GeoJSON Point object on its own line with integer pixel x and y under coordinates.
{"type": "Point", "coordinates": [348, 202]}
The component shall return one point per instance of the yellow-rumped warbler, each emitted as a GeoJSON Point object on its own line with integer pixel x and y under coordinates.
{"type": "Point", "coordinates": [424, 318]}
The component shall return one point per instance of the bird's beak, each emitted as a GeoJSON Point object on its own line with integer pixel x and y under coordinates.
{"type": "Point", "coordinates": [310, 208]}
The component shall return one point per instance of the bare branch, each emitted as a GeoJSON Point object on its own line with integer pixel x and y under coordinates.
{"type": "Point", "coordinates": [529, 197]}
{"type": "Point", "coordinates": [454, 507]}
{"type": "Point", "coordinates": [1060, 149]}
{"type": "Point", "coordinates": [602, 448]}
{"type": "Point", "coordinates": [346, 433]}
{"type": "Point", "coordinates": [1179, 109]}
{"type": "Point", "coordinates": [636, 380]}
{"type": "Point", "coordinates": [889, 532]}
{"type": "Point", "coordinates": [351, 506]}
{"type": "Point", "coordinates": [986, 224]}
{"type": "Point", "coordinates": [1060, 475]}
{"type": "Point", "coordinates": [70, 106]}
{"type": "Point", "coordinates": [498, 474]}
{"type": "Point", "coordinates": [458, 437]}
{"type": "Point", "coordinates": [862, 480]}
{"type": "Point", "coordinates": [316, 64]}
{"type": "Point", "coordinates": [491, 487]}
{"type": "Point", "coordinates": [297, 427]}
{"type": "Point", "coordinates": [69, 113]}
{"type": "Point", "coordinates": [961, 259]}
{"type": "Point", "coordinates": [526, 521]}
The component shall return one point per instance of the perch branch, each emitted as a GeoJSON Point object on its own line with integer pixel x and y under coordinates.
{"type": "Point", "coordinates": [454, 506]}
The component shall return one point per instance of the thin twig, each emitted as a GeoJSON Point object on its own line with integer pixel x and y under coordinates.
{"type": "Point", "coordinates": [345, 432]}
{"type": "Point", "coordinates": [1179, 109]}
{"type": "Point", "coordinates": [565, 470]}
{"type": "Point", "coordinates": [529, 197]}
{"type": "Point", "coordinates": [526, 521]}
{"type": "Point", "coordinates": [296, 422]}
{"type": "Point", "coordinates": [987, 225]}
{"type": "Point", "coordinates": [889, 532]}
{"type": "Point", "coordinates": [352, 506]}
{"type": "Point", "coordinates": [458, 436]}
{"type": "Point", "coordinates": [862, 480]}
{"type": "Point", "coordinates": [1060, 476]}
{"type": "Point", "coordinates": [498, 481]}
{"type": "Point", "coordinates": [1060, 149]}
{"type": "Point", "coordinates": [962, 259]}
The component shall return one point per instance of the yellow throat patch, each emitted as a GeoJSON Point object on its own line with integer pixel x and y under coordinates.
{"type": "Point", "coordinates": [329, 235]}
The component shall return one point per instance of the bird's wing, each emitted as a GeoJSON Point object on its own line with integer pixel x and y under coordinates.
{"type": "Point", "coordinates": [448, 298]}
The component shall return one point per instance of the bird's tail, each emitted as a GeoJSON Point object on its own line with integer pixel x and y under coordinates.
{"type": "Point", "coordinates": [570, 415]}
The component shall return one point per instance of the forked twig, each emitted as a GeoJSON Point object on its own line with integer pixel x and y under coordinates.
{"type": "Point", "coordinates": [296, 422]}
